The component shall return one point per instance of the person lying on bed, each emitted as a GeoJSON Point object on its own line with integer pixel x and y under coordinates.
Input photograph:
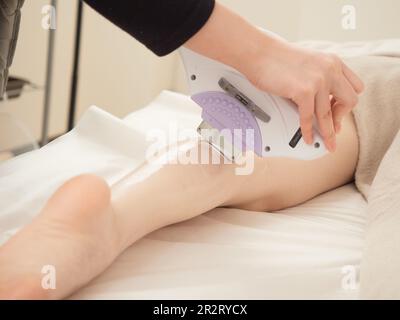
{"type": "Point", "coordinates": [86, 224]}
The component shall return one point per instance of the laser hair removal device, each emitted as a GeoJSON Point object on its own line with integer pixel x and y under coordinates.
{"type": "Point", "coordinates": [238, 117]}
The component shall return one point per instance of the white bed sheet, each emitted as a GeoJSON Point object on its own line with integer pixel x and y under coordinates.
{"type": "Point", "coordinates": [300, 252]}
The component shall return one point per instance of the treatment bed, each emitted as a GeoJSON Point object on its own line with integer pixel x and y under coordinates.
{"type": "Point", "coordinates": [310, 251]}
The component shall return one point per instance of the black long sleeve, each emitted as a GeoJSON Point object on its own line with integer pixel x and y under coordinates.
{"type": "Point", "coordinates": [161, 25]}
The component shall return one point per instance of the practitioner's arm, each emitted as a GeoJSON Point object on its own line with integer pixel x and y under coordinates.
{"type": "Point", "coordinates": [320, 84]}
{"type": "Point", "coordinates": [307, 77]}
{"type": "Point", "coordinates": [161, 25]}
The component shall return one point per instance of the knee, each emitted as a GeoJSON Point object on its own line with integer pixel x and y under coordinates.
{"type": "Point", "coordinates": [92, 188]}
{"type": "Point", "coordinates": [83, 192]}
{"type": "Point", "coordinates": [89, 183]}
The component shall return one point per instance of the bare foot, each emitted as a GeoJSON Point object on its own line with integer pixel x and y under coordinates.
{"type": "Point", "coordinates": [75, 232]}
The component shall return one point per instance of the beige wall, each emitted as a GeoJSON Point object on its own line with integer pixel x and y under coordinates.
{"type": "Point", "coordinates": [315, 20]}
{"type": "Point", "coordinates": [120, 75]}
{"type": "Point", "coordinates": [321, 19]}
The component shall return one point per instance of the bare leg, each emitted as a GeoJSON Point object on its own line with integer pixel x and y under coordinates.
{"type": "Point", "coordinates": [288, 182]}
{"type": "Point", "coordinates": [84, 227]}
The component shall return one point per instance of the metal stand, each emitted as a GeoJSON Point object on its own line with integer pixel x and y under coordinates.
{"type": "Point", "coordinates": [75, 72]}
{"type": "Point", "coordinates": [49, 81]}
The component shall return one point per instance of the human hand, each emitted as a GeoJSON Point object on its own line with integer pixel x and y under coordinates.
{"type": "Point", "coordinates": [320, 84]}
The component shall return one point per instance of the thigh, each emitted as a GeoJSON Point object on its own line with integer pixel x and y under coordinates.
{"type": "Point", "coordinates": [279, 183]}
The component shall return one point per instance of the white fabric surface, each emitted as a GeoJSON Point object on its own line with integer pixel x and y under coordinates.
{"type": "Point", "coordinates": [383, 47]}
{"type": "Point", "coordinates": [226, 253]}
{"type": "Point", "coordinates": [377, 176]}
{"type": "Point", "coordinates": [299, 253]}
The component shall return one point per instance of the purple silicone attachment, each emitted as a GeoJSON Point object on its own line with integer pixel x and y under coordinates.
{"type": "Point", "coordinates": [224, 112]}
